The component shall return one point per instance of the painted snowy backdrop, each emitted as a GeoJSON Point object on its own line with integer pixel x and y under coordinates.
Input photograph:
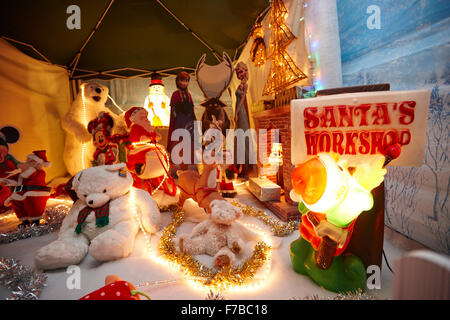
{"type": "Point", "coordinates": [407, 44]}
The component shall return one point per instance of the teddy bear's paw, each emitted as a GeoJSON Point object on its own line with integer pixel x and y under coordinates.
{"type": "Point", "coordinates": [224, 258]}
{"type": "Point", "coordinates": [180, 243]}
{"type": "Point", "coordinates": [60, 254]}
{"type": "Point", "coordinates": [151, 224]}
{"type": "Point", "coordinates": [236, 247]}
{"type": "Point", "coordinates": [222, 261]}
{"type": "Point", "coordinates": [191, 245]}
{"type": "Point", "coordinates": [110, 245]}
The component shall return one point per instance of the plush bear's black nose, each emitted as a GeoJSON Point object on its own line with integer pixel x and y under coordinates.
{"type": "Point", "coordinates": [91, 202]}
{"type": "Point", "coordinates": [98, 90]}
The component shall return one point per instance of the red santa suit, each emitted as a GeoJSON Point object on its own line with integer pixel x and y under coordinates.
{"type": "Point", "coordinates": [8, 165]}
{"type": "Point", "coordinates": [29, 193]}
{"type": "Point", "coordinates": [137, 153]}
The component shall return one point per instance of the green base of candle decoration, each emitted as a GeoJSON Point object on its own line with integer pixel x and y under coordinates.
{"type": "Point", "coordinates": [346, 273]}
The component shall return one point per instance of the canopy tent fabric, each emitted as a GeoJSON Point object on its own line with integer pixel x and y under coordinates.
{"type": "Point", "coordinates": [133, 34]}
{"type": "Point", "coordinates": [139, 35]}
{"type": "Point", "coordinates": [34, 96]}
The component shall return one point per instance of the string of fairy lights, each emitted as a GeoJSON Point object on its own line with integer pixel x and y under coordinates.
{"type": "Point", "coordinates": [162, 150]}
{"type": "Point", "coordinates": [251, 274]}
{"type": "Point", "coordinates": [200, 276]}
{"type": "Point", "coordinates": [85, 123]}
{"type": "Point", "coordinates": [313, 57]}
{"type": "Point", "coordinates": [284, 71]}
{"type": "Point", "coordinates": [235, 278]}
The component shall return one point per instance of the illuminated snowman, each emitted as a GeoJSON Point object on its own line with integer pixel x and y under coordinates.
{"type": "Point", "coordinates": [157, 103]}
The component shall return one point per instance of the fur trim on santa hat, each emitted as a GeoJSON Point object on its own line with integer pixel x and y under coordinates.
{"type": "Point", "coordinates": [40, 157]}
{"type": "Point", "coordinates": [129, 115]}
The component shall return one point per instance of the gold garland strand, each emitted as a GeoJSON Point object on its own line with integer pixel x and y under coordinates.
{"type": "Point", "coordinates": [278, 228]}
{"type": "Point", "coordinates": [210, 277]}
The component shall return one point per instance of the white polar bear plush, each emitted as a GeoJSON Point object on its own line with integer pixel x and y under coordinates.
{"type": "Point", "coordinates": [95, 97]}
{"type": "Point", "coordinates": [110, 238]}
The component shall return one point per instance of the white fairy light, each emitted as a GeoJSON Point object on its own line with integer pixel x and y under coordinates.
{"type": "Point", "coordinates": [196, 282]}
{"type": "Point", "coordinates": [84, 119]}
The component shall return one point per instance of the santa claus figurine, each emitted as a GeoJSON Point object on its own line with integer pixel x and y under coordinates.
{"type": "Point", "coordinates": [29, 191]}
{"type": "Point", "coordinates": [142, 134]}
{"type": "Point", "coordinates": [229, 175]}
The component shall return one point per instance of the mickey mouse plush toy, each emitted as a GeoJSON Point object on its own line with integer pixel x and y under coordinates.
{"type": "Point", "coordinates": [100, 128]}
{"type": "Point", "coordinates": [7, 162]}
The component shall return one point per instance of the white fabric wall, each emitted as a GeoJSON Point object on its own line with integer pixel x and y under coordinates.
{"type": "Point", "coordinates": [321, 18]}
{"type": "Point", "coordinates": [34, 96]}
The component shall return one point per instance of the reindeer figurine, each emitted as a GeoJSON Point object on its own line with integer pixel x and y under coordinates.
{"type": "Point", "coordinates": [213, 81]}
{"type": "Point", "coordinates": [201, 188]}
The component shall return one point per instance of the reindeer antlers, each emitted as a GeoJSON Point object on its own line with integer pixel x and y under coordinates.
{"type": "Point", "coordinates": [214, 80]}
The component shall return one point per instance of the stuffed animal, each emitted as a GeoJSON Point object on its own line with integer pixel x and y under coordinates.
{"type": "Point", "coordinates": [29, 190]}
{"type": "Point", "coordinates": [87, 105]}
{"type": "Point", "coordinates": [7, 162]}
{"type": "Point", "coordinates": [201, 188]}
{"type": "Point", "coordinates": [106, 152]}
{"type": "Point", "coordinates": [219, 236]}
{"type": "Point", "coordinates": [102, 220]}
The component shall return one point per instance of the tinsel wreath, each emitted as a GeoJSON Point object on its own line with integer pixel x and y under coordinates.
{"type": "Point", "coordinates": [24, 282]}
{"type": "Point", "coordinates": [53, 220]}
{"type": "Point", "coordinates": [278, 228]}
{"type": "Point", "coordinates": [205, 275]}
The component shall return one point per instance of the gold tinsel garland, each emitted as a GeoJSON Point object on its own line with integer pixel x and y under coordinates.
{"type": "Point", "coordinates": [279, 229]}
{"type": "Point", "coordinates": [209, 276]}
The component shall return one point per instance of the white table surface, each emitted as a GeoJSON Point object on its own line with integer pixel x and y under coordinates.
{"type": "Point", "coordinates": [138, 268]}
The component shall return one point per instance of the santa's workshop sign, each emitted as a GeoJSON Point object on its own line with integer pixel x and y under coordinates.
{"type": "Point", "coordinates": [356, 125]}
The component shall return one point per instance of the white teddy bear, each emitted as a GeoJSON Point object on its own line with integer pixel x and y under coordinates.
{"type": "Point", "coordinates": [75, 123]}
{"type": "Point", "coordinates": [220, 236]}
{"type": "Point", "coordinates": [102, 220]}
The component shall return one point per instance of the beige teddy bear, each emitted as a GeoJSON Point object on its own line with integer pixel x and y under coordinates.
{"type": "Point", "coordinates": [219, 236]}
